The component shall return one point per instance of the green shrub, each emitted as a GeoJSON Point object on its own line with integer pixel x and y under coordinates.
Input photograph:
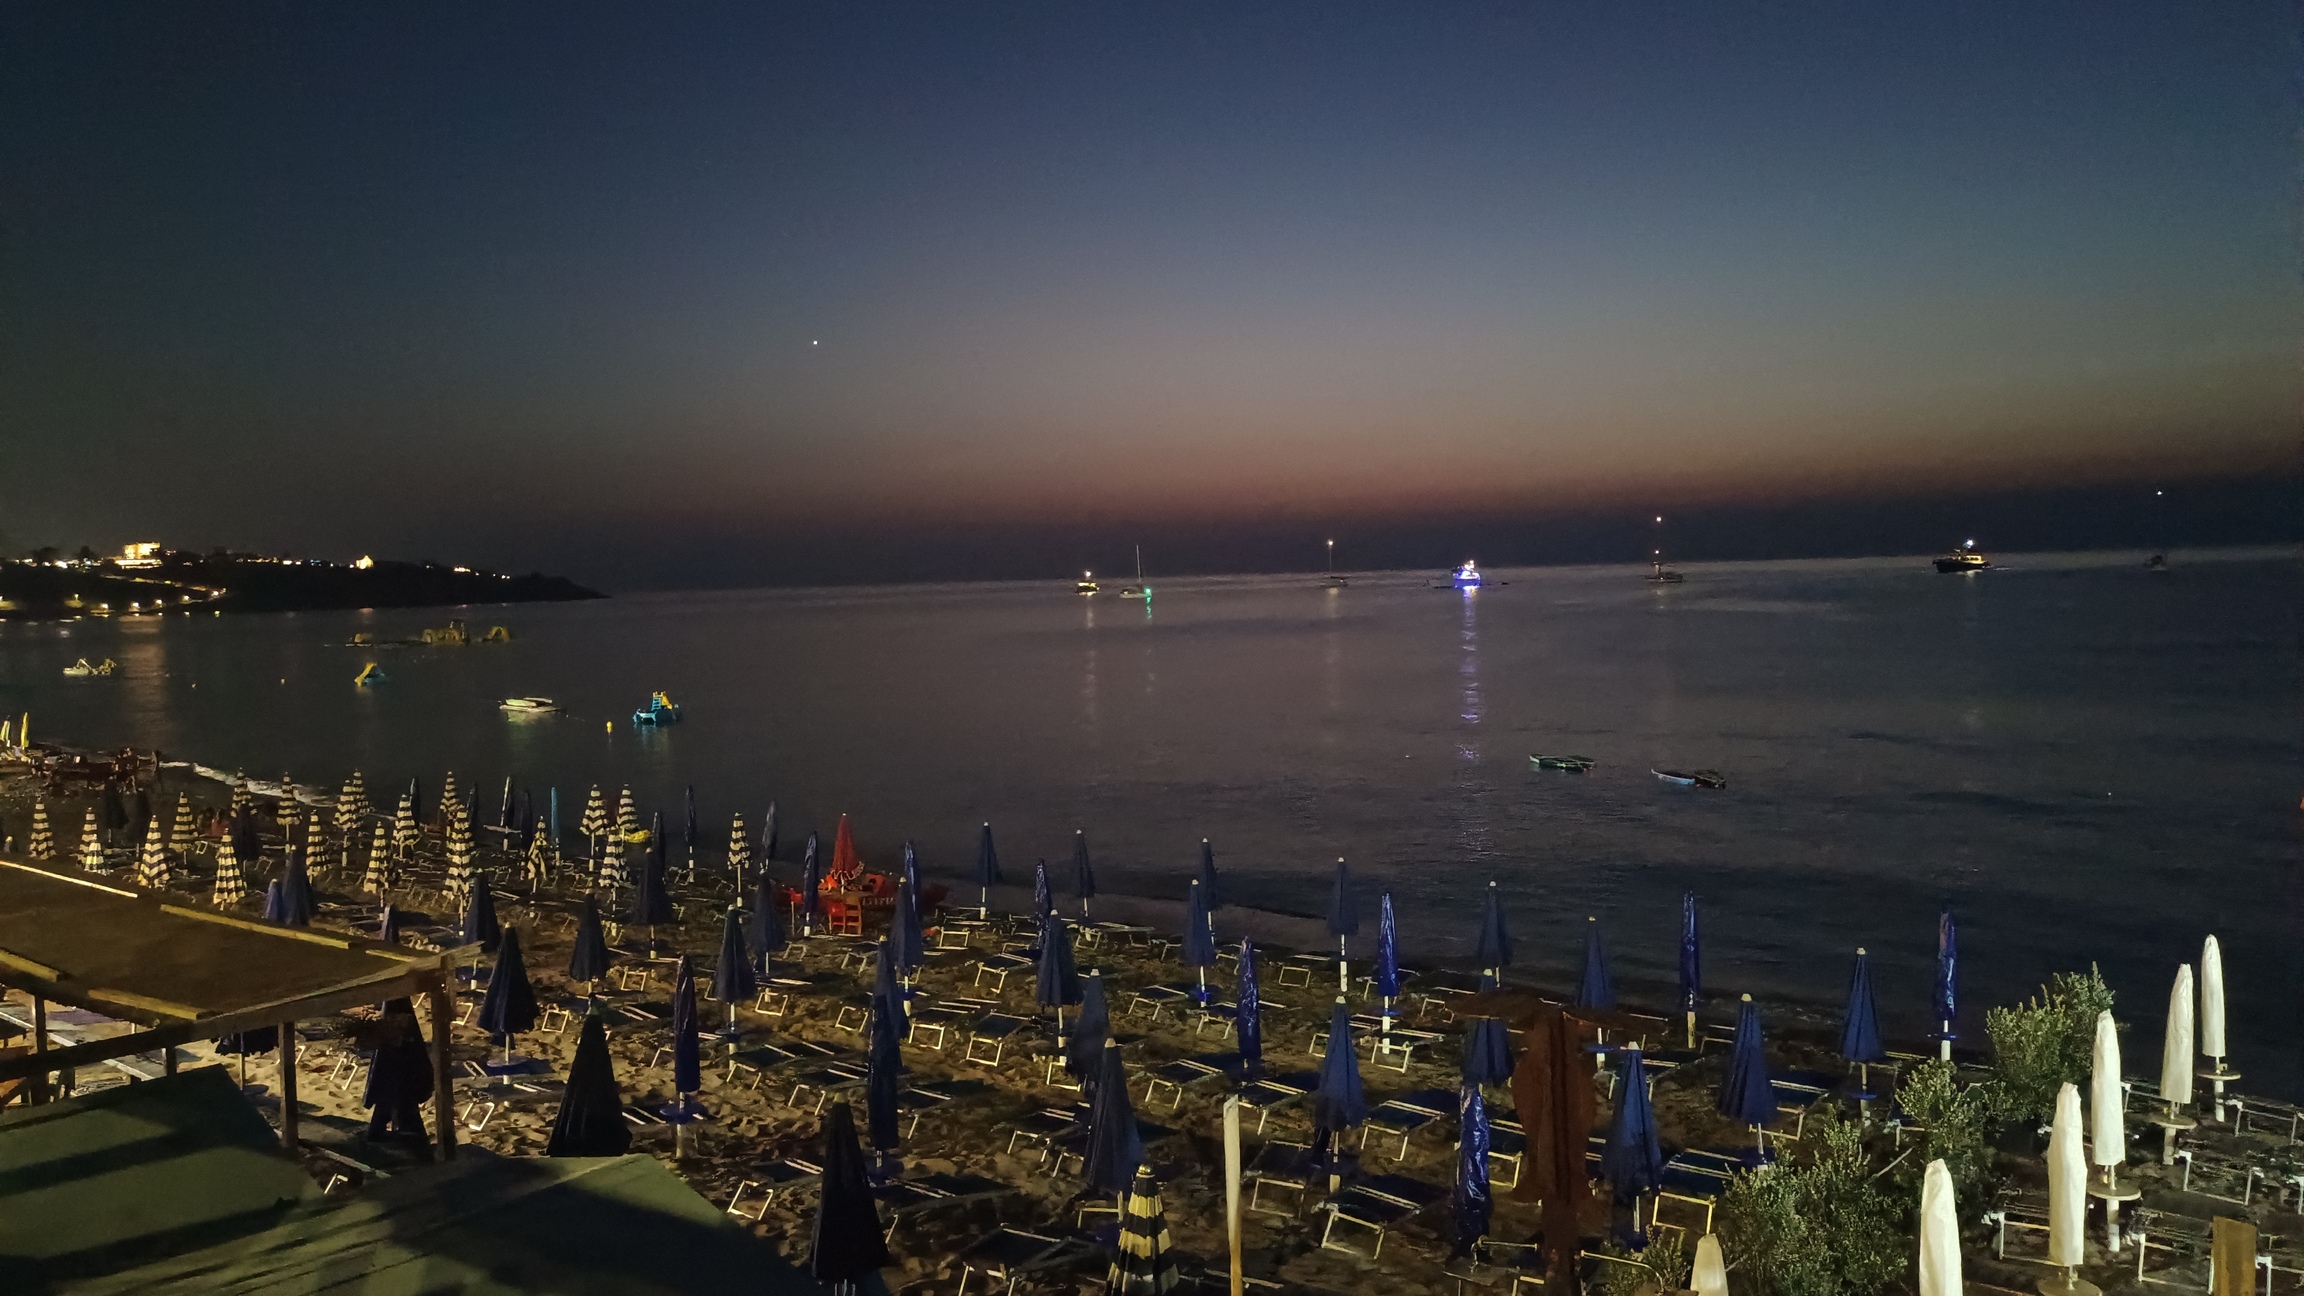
{"type": "Point", "coordinates": [1667, 1259]}
{"type": "Point", "coordinates": [1953, 1115]}
{"type": "Point", "coordinates": [2045, 1042]}
{"type": "Point", "coordinates": [1820, 1225]}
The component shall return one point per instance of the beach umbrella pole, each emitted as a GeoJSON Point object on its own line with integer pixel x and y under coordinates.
{"type": "Point", "coordinates": [1944, 1044]}
{"type": "Point", "coordinates": [1343, 970]}
{"type": "Point", "coordinates": [1691, 1030]}
{"type": "Point", "coordinates": [983, 904]}
{"type": "Point", "coordinates": [1202, 973]}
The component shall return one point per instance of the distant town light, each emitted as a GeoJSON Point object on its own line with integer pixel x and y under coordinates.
{"type": "Point", "coordinates": [363, 562]}
{"type": "Point", "coordinates": [144, 553]}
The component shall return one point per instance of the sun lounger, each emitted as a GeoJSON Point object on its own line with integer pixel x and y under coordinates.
{"type": "Point", "coordinates": [1000, 967]}
{"type": "Point", "coordinates": [1271, 1093]}
{"type": "Point", "coordinates": [775, 999]}
{"type": "Point", "coordinates": [1507, 1152]}
{"type": "Point", "coordinates": [1301, 969]}
{"type": "Point", "coordinates": [1175, 1076]}
{"type": "Point", "coordinates": [1152, 1000]}
{"type": "Point", "coordinates": [1288, 1167]}
{"type": "Point", "coordinates": [826, 1083]}
{"type": "Point", "coordinates": [1377, 1205]}
{"type": "Point", "coordinates": [1043, 1127]}
{"type": "Point", "coordinates": [991, 1036]}
{"type": "Point", "coordinates": [933, 1024]}
{"type": "Point", "coordinates": [1402, 1117]}
{"type": "Point", "coordinates": [1011, 1254]}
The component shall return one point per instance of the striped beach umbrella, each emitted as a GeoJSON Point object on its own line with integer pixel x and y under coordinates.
{"type": "Point", "coordinates": [379, 877]}
{"type": "Point", "coordinates": [987, 870]}
{"type": "Point", "coordinates": [448, 797]}
{"type": "Point", "coordinates": [463, 868]}
{"type": "Point", "coordinates": [242, 799]}
{"type": "Point", "coordinates": [1343, 922]}
{"type": "Point", "coordinates": [43, 841]}
{"type": "Point", "coordinates": [152, 872]}
{"type": "Point", "coordinates": [91, 843]}
{"type": "Point", "coordinates": [405, 834]}
{"type": "Point", "coordinates": [1209, 889]}
{"type": "Point", "coordinates": [1043, 897]}
{"type": "Point", "coordinates": [593, 825]}
{"type": "Point", "coordinates": [1471, 1203]}
{"type": "Point", "coordinates": [1083, 873]}
{"type": "Point", "coordinates": [1146, 1264]}
{"type": "Point", "coordinates": [184, 831]}
{"type": "Point", "coordinates": [739, 852]}
{"type": "Point", "coordinates": [1248, 1015]}
{"type": "Point", "coordinates": [1595, 989]}
{"type": "Point", "coordinates": [1494, 952]}
{"type": "Point", "coordinates": [627, 817]}
{"type": "Point", "coordinates": [229, 887]}
{"type": "Point", "coordinates": [351, 806]}
{"type": "Point", "coordinates": [290, 815]}
{"type": "Point", "coordinates": [588, 960]}
{"type": "Point", "coordinates": [1691, 963]}
{"type": "Point", "coordinates": [539, 862]}
{"type": "Point", "coordinates": [591, 1120]}
{"type": "Point", "coordinates": [1199, 938]}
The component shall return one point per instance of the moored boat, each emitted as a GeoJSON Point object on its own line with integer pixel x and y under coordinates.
{"type": "Point", "coordinates": [1963, 559]}
{"type": "Point", "coordinates": [661, 710]}
{"type": "Point", "coordinates": [1467, 576]}
{"type": "Point", "coordinates": [1571, 764]}
{"type": "Point", "coordinates": [528, 705]}
{"type": "Point", "coordinates": [1702, 778]}
{"type": "Point", "coordinates": [1086, 584]}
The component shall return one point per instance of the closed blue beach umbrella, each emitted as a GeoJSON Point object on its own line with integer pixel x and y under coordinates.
{"type": "Point", "coordinates": [1495, 949]}
{"type": "Point", "coordinates": [552, 820]}
{"type": "Point", "coordinates": [591, 1121]}
{"type": "Point", "coordinates": [733, 977]}
{"type": "Point", "coordinates": [1632, 1163]}
{"type": "Point", "coordinates": [509, 1007]}
{"type": "Point", "coordinates": [399, 1076]}
{"type": "Point", "coordinates": [276, 904]}
{"type": "Point", "coordinates": [388, 927]}
{"type": "Point", "coordinates": [1860, 1024]}
{"type": "Point", "coordinates": [887, 995]}
{"type": "Point", "coordinates": [687, 1039]}
{"type": "Point", "coordinates": [1083, 873]}
{"type": "Point", "coordinates": [1199, 938]}
{"type": "Point", "coordinates": [1487, 1047]}
{"type": "Point", "coordinates": [1691, 963]}
{"type": "Point", "coordinates": [883, 1080]}
{"type": "Point", "coordinates": [689, 834]}
{"type": "Point", "coordinates": [296, 892]}
{"type": "Point", "coordinates": [1248, 1015]}
{"type": "Point", "coordinates": [1745, 1096]}
{"type": "Point", "coordinates": [1043, 897]}
{"type": "Point", "coordinates": [987, 871]}
{"type": "Point", "coordinates": [1092, 1029]}
{"type": "Point", "coordinates": [1343, 922]}
{"type": "Point", "coordinates": [1387, 976]}
{"type": "Point", "coordinates": [1338, 1103]}
{"type": "Point", "coordinates": [588, 961]}
{"type": "Point", "coordinates": [768, 835]}
{"type": "Point", "coordinates": [650, 904]}
{"type": "Point", "coordinates": [1115, 1145]}
{"type": "Point", "coordinates": [480, 925]}
{"type": "Point", "coordinates": [811, 888]}
{"type": "Point", "coordinates": [1471, 1203]}
{"type": "Point", "coordinates": [767, 925]}
{"type": "Point", "coordinates": [1595, 989]}
{"type": "Point", "coordinates": [848, 1245]}
{"type": "Point", "coordinates": [1947, 980]}
{"type": "Point", "coordinates": [1055, 984]}
{"type": "Point", "coordinates": [1208, 887]}
{"type": "Point", "coordinates": [912, 879]}
{"type": "Point", "coordinates": [907, 943]}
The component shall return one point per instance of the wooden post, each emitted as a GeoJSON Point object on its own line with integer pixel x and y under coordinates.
{"type": "Point", "coordinates": [38, 1091]}
{"type": "Point", "coordinates": [288, 1085]}
{"type": "Point", "coordinates": [443, 1096]}
{"type": "Point", "coordinates": [1232, 1187]}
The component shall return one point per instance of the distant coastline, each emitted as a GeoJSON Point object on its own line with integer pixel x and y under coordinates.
{"type": "Point", "coordinates": [148, 581]}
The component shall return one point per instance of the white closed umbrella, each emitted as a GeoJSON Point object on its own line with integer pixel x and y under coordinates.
{"type": "Point", "coordinates": [1939, 1234]}
{"type": "Point", "coordinates": [2212, 1019]}
{"type": "Point", "coordinates": [2176, 1043]}
{"type": "Point", "coordinates": [2067, 1194]}
{"type": "Point", "coordinates": [1710, 1276]}
{"type": "Point", "coordinates": [2107, 1107]}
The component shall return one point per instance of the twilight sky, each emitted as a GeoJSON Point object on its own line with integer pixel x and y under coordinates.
{"type": "Point", "coordinates": [534, 284]}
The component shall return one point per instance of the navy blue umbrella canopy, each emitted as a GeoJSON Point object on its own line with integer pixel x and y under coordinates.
{"type": "Point", "coordinates": [768, 834]}
{"type": "Point", "coordinates": [1343, 905]}
{"type": "Point", "coordinates": [589, 960]}
{"type": "Point", "coordinates": [591, 1121]}
{"type": "Point", "coordinates": [1115, 1145]}
{"type": "Point", "coordinates": [1248, 1015]}
{"type": "Point", "coordinates": [1092, 1028]}
{"type": "Point", "coordinates": [887, 995]}
{"type": "Point", "coordinates": [907, 943]}
{"type": "Point", "coordinates": [1691, 955]}
{"type": "Point", "coordinates": [1083, 873]}
{"type": "Point", "coordinates": [1632, 1163]}
{"type": "Point", "coordinates": [884, 1070]}
{"type": "Point", "coordinates": [733, 978]}
{"type": "Point", "coordinates": [276, 903]}
{"type": "Point", "coordinates": [1043, 896]}
{"type": "Point", "coordinates": [811, 886]}
{"type": "Point", "coordinates": [1387, 950]}
{"type": "Point", "coordinates": [1745, 1095]}
{"type": "Point", "coordinates": [509, 1007]}
{"type": "Point", "coordinates": [1596, 989]}
{"type": "Point", "coordinates": [1947, 971]}
{"type": "Point", "coordinates": [1338, 1103]}
{"type": "Point", "coordinates": [1860, 1025]}
{"type": "Point", "coordinates": [767, 925]}
{"type": "Point", "coordinates": [296, 892]}
{"type": "Point", "coordinates": [1199, 937]}
{"type": "Point", "coordinates": [388, 927]}
{"type": "Point", "coordinates": [1208, 886]}
{"type": "Point", "coordinates": [848, 1243]}
{"type": "Point", "coordinates": [651, 903]}
{"type": "Point", "coordinates": [1495, 950]}
{"type": "Point", "coordinates": [687, 1038]}
{"type": "Point", "coordinates": [912, 880]}
{"type": "Point", "coordinates": [1055, 983]}
{"type": "Point", "coordinates": [688, 832]}
{"type": "Point", "coordinates": [1471, 1203]}
{"type": "Point", "coordinates": [400, 1074]}
{"type": "Point", "coordinates": [1487, 1047]}
{"type": "Point", "coordinates": [480, 925]}
{"type": "Point", "coordinates": [987, 859]}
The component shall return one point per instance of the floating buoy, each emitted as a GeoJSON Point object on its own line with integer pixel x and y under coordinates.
{"type": "Point", "coordinates": [611, 726]}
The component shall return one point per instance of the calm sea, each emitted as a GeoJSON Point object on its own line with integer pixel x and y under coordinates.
{"type": "Point", "coordinates": [2083, 760]}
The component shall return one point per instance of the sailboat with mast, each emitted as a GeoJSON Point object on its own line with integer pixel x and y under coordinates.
{"type": "Point", "coordinates": [1139, 589]}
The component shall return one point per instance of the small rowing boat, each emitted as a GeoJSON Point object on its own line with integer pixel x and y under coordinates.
{"type": "Point", "coordinates": [1571, 764]}
{"type": "Point", "coordinates": [1702, 778]}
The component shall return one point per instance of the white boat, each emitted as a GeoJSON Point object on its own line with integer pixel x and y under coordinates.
{"type": "Point", "coordinates": [1468, 576]}
{"type": "Point", "coordinates": [1086, 584]}
{"type": "Point", "coordinates": [1139, 590]}
{"type": "Point", "coordinates": [82, 670]}
{"type": "Point", "coordinates": [528, 705]}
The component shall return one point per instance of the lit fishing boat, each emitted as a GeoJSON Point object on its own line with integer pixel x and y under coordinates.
{"type": "Point", "coordinates": [527, 705]}
{"type": "Point", "coordinates": [660, 711]}
{"type": "Point", "coordinates": [1468, 576]}
{"type": "Point", "coordinates": [1963, 559]}
{"type": "Point", "coordinates": [1086, 584]}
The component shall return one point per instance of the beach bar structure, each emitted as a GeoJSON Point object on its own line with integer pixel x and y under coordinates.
{"type": "Point", "coordinates": [177, 973]}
